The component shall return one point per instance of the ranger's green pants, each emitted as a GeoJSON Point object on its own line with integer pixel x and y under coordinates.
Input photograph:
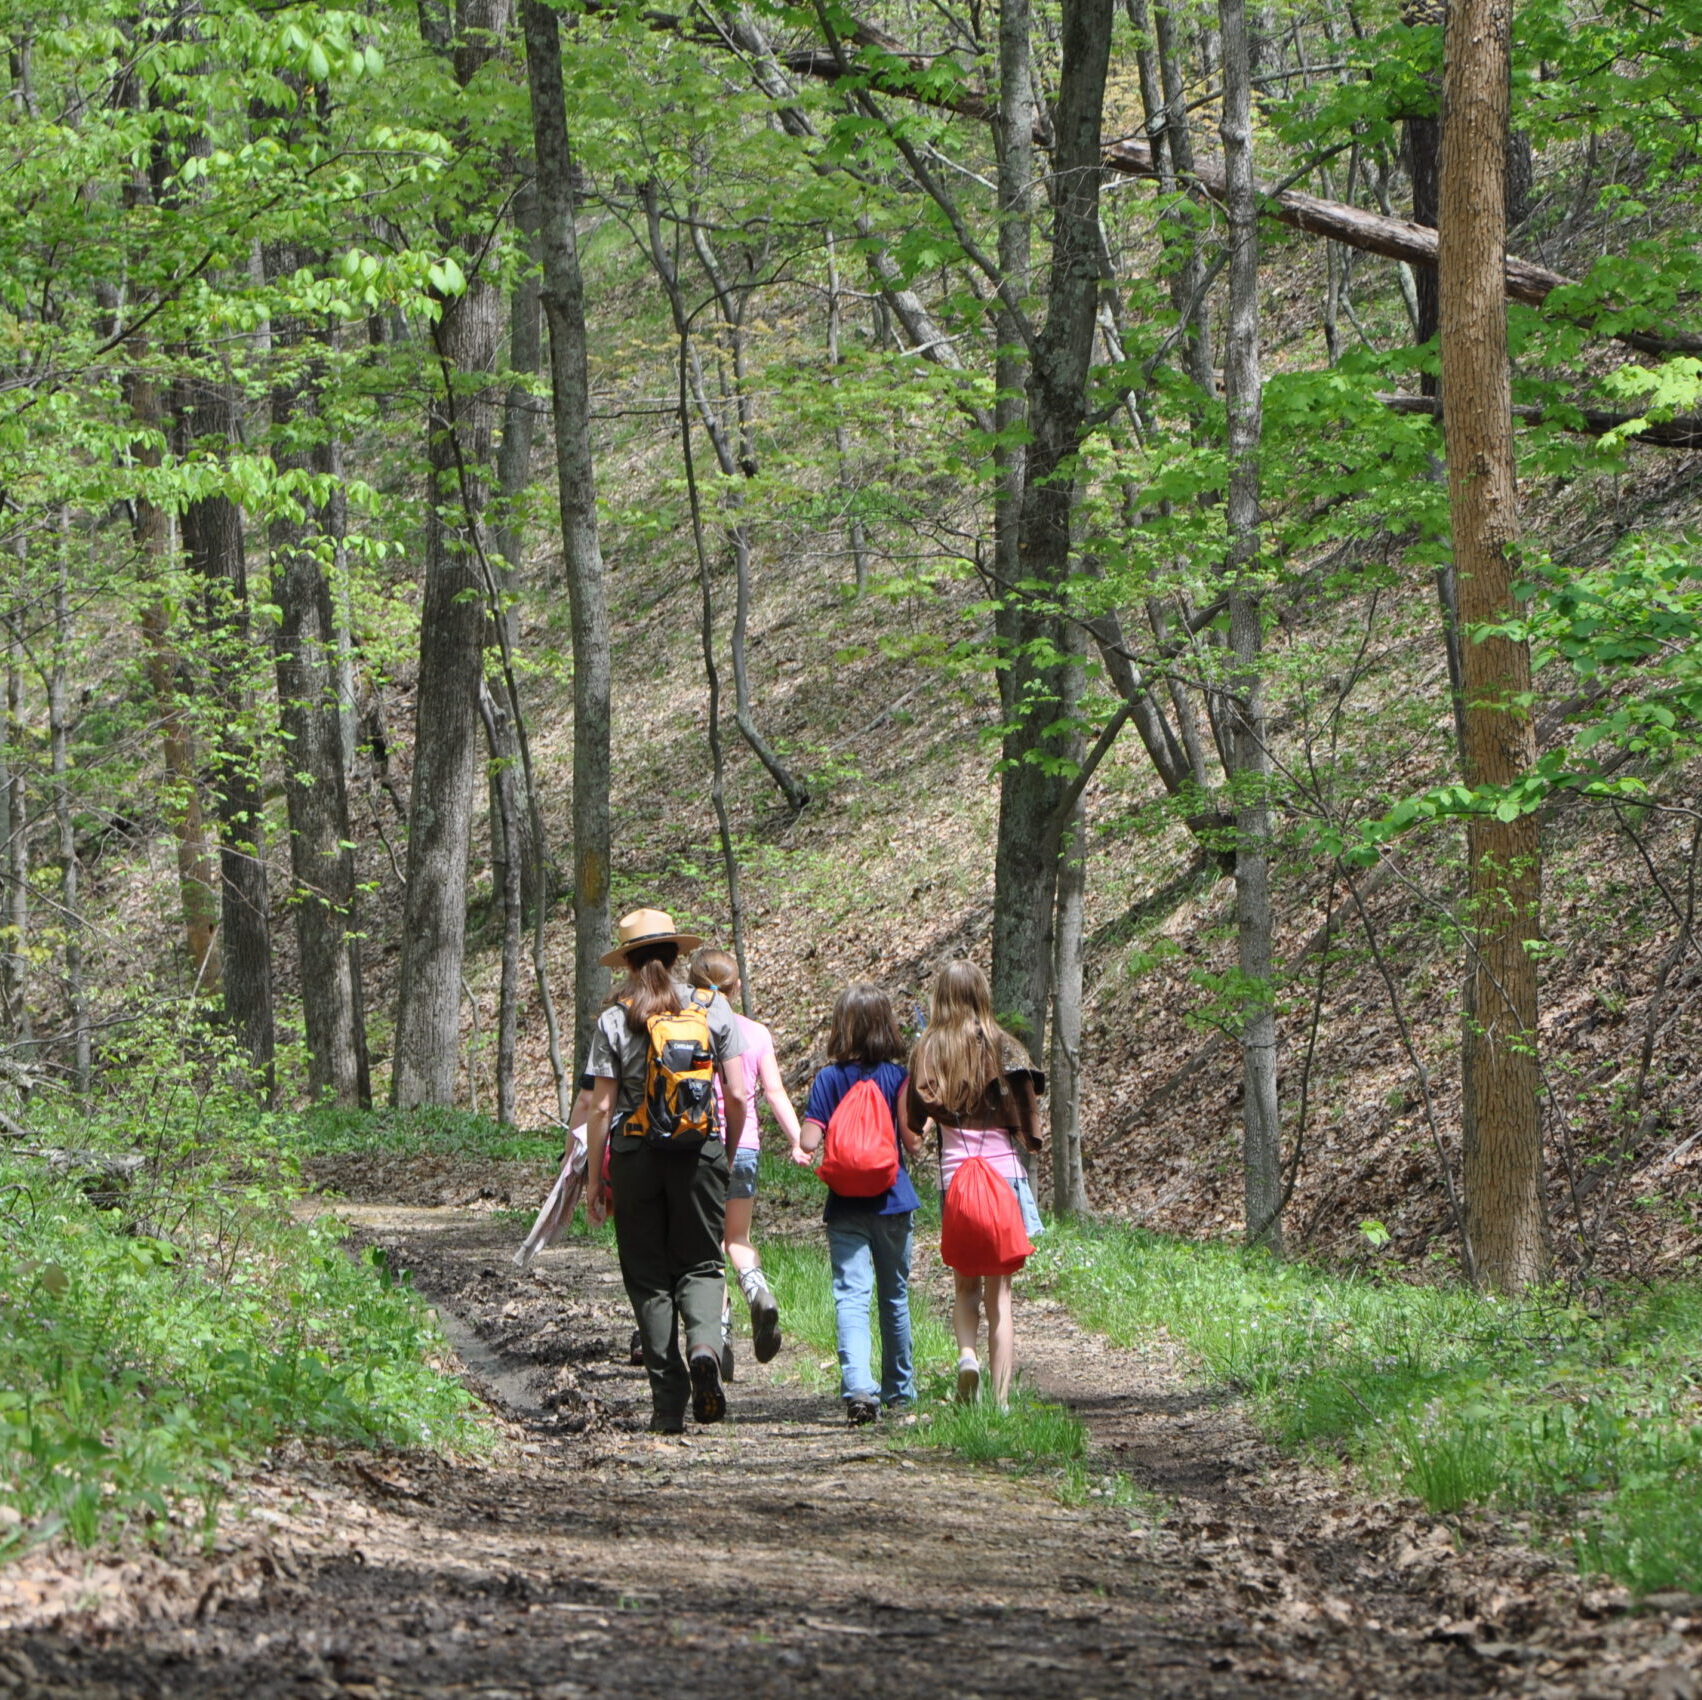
{"type": "Point", "coordinates": [670, 1212]}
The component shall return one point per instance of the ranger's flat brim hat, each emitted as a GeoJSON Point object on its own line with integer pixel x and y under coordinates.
{"type": "Point", "coordinates": [647, 926]}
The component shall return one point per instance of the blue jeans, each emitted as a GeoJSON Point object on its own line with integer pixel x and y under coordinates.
{"type": "Point", "coordinates": [871, 1253]}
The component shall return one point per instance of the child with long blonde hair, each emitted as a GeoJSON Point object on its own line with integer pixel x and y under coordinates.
{"type": "Point", "coordinates": [976, 1083]}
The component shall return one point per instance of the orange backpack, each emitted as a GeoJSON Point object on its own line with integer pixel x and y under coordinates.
{"type": "Point", "coordinates": [860, 1155]}
{"type": "Point", "coordinates": [678, 1106]}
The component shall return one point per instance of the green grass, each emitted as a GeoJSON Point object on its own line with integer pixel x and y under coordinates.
{"type": "Point", "coordinates": [144, 1352]}
{"type": "Point", "coordinates": [1587, 1418]}
{"type": "Point", "coordinates": [330, 1132]}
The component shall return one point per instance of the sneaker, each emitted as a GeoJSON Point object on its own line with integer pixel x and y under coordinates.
{"type": "Point", "coordinates": [968, 1379]}
{"type": "Point", "coordinates": [858, 1412]}
{"type": "Point", "coordinates": [765, 1315]}
{"type": "Point", "coordinates": [635, 1350]}
{"type": "Point", "coordinates": [708, 1402]}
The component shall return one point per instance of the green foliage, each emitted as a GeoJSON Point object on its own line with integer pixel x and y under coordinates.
{"type": "Point", "coordinates": [329, 1132]}
{"type": "Point", "coordinates": [1587, 1418]}
{"type": "Point", "coordinates": [138, 1369]}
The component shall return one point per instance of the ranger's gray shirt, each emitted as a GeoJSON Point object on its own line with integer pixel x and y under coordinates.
{"type": "Point", "coordinates": [619, 1054]}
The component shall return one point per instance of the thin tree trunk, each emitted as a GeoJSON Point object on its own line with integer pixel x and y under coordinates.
{"type": "Point", "coordinates": [1506, 1219]}
{"type": "Point", "coordinates": [1189, 294]}
{"type": "Point", "coordinates": [311, 715]}
{"type": "Point", "coordinates": [564, 311]}
{"type": "Point", "coordinates": [505, 871]}
{"type": "Point", "coordinates": [1069, 1183]}
{"type": "Point", "coordinates": [213, 546]}
{"type": "Point", "coordinates": [855, 535]}
{"type": "Point", "coordinates": [1013, 135]}
{"type": "Point", "coordinates": [513, 479]}
{"type": "Point", "coordinates": [460, 432]}
{"type": "Point", "coordinates": [1250, 765]}
{"type": "Point", "coordinates": [14, 824]}
{"type": "Point", "coordinates": [70, 895]}
{"type": "Point", "coordinates": [1042, 678]}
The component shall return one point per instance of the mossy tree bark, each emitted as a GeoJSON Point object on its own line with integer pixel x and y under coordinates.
{"type": "Point", "coordinates": [1506, 1221]}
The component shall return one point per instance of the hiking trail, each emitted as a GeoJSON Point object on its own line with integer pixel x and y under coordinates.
{"type": "Point", "coordinates": [784, 1554]}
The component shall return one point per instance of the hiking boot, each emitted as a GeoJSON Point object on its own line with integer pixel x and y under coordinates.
{"type": "Point", "coordinates": [968, 1379]}
{"type": "Point", "coordinates": [859, 1412]}
{"type": "Point", "coordinates": [635, 1350]}
{"type": "Point", "coordinates": [727, 1365]}
{"type": "Point", "coordinates": [708, 1402]}
{"type": "Point", "coordinates": [765, 1315]}
{"type": "Point", "coordinates": [667, 1422]}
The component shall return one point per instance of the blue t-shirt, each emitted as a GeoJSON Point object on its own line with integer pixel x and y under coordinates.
{"type": "Point", "coordinates": [826, 1090]}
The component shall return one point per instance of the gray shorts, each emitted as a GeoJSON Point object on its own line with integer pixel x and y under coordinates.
{"type": "Point", "coordinates": [741, 1178]}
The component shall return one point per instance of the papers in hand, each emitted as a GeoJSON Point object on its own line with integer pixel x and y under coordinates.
{"type": "Point", "coordinates": [558, 1208]}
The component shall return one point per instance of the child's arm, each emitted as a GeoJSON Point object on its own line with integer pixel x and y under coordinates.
{"type": "Point", "coordinates": [911, 1118]}
{"type": "Point", "coordinates": [774, 1090]}
{"type": "Point", "coordinates": [809, 1141]}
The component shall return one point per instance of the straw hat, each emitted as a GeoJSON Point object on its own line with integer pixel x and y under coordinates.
{"type": "Point", "coordinates": [647, 926]}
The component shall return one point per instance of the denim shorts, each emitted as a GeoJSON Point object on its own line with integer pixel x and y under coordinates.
{"type": "Point", "coordinates": [1030, 1210]}
{"type": "Point", "coordinates": [741, 1179]}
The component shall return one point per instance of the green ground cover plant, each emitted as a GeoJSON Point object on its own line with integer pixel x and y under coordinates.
{"type": "Point", "coordinates": [1586, 1417]}
{"type": "Point", "coordinates": [331, 1132]}
{"type": "Point", "coordinates": [149, 1346]}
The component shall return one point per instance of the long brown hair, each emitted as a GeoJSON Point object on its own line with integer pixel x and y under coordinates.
{"type": "Point", "coordinates": [863, 1028]}
{"type": "Point", "coordinates": [650, 988]}
{"type": "Point", "coordinates": [962, 1052]}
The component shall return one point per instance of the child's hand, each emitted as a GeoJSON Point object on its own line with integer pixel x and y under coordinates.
{"type": "Point", "coordinates": [802, 1158]}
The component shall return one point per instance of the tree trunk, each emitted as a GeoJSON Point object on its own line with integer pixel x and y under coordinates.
{"type": "Point", "coordinates": [460, 432]}
{"type": "Point", "coordinates": [855, 535]}
{"type": "Point", "coordinates": [70, 896]}
{"type": "Point", "coordinates": [322, 867]}
{"type": "Point", "coordinates": [505, 880]}
{"type": "Point", "coordinates": [1025, 875]}
{"type": "Point", "coordinates": [14, 834]}
{"type": "Point", "coordinates": [1250, 766]}
{"type": "Point", "coordinates": [213, 546]}
{"type": "Point", "coordinates": [1506, 1222]}
{"type": "Point", "coordinates": [1069, 1183]}
{"type": "Point", "coordinates": [564, 311]}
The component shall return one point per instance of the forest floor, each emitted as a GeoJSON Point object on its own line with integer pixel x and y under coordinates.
{"type": "Point", "coordinates": [783, 1553]}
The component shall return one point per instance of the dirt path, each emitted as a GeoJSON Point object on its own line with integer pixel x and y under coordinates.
{"type": "Point", "coordinates": [783, 1554]}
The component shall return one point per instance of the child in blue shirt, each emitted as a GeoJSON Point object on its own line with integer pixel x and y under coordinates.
{"type": "Point", "coordinates": [868, 1239]}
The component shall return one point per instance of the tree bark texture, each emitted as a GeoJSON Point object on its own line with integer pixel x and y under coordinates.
{"type": "Point", "coordinates": [323, 895]}
{"type": "Point", "coordinates": [1043, 680]}
{"type": "Point", "coordinates": [214, 548]}
{"type": "Point", "coordinates": [1250, 761]}
{"type": "Point", "coordinates": [1506, 1221]}
{"type": "Point", "coordinates": [460, 436]}
{"type": "Point", "coordinates": [505, 880]}
{"type": "Point", "coordinates": [564, 311]}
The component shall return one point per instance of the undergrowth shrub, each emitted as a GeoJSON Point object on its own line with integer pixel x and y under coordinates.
{"type": "Point", "coordinates": [158, 1327]}
{"type": "Point", "coordinates": [1587, 1418]}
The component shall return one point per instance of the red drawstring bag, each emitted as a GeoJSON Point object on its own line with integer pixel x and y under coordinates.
{"type": "Point", "coordinates": [981, 1231]}
{"type": "Point", "coordinates": [860, 1153]}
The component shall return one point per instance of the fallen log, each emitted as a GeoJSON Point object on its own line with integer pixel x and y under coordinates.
{"type": "Point", "coordinates": [1590, 421]}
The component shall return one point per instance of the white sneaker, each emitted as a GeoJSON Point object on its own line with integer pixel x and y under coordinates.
{"type": "Point", "coordinates": [968, 1379]}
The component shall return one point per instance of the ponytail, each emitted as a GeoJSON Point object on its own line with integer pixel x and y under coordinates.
{"type": "Point", "coordinates": [650, 984]}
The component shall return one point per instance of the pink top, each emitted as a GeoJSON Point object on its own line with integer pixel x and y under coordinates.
{"type": "Point", "coordinates": [993, 1143]}
{"type": "Point", "coordinates": [758, 1043]}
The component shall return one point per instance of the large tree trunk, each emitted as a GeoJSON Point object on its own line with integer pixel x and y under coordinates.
{"type": "Point", "coordinates": [1040, 684]}
{"type": "Point", "coordinates": [1069, 1183]}
{"type": "Point", "coordinates": [1250, 765]}
{"type": "Point", "coordinates": [213, 546]}
{"type": "Point", "coordinates": [460, 434]}
{"type": "Point", "coordinates": [564, 310]}
{"type": "Point", "coordinates": [1506, 1223]}
{"type": "Point", "coordinates": [505, 879]}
